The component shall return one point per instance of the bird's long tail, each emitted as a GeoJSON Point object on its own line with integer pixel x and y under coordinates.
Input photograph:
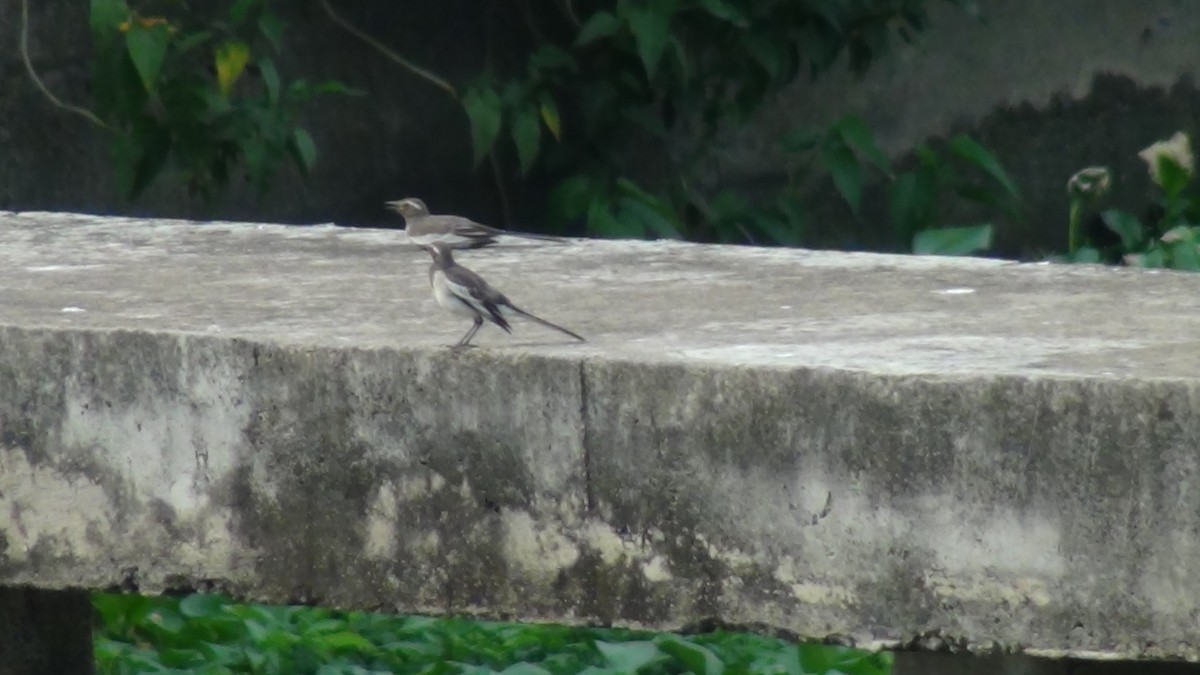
{"type": "Point", "coordinates": [530, 235]}
{"type": "Point", "coordinates": [546, 323]}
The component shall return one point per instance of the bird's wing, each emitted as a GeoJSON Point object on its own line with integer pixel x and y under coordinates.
{"type": "Point", "coordinates": [473, 290]}
{"type": "Point", "coordinates": [451, 225]}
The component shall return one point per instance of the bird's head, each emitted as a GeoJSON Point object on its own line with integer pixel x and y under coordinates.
{"type": "Point", "coordinates": [440, 252]}
{"type": "Point", "coordinates": [409, 207]}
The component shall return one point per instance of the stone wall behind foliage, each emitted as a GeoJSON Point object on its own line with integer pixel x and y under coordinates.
{"type": "Point", "coordinates": [1051, 87]}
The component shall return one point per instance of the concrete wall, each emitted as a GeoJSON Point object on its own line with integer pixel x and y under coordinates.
{"type": "Point", "coordinates": [1051, 87]}
{"type": "Point", "coordinates": [878, 450]}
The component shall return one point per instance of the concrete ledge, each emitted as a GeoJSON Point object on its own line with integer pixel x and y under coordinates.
{"type": "Point", "coordinates": [880, 450]}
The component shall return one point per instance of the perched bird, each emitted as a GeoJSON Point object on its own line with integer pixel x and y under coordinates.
{"type": "Point", "coordinates": [465, 293]}
{"type": "Point", "coordinates": [424, 228]}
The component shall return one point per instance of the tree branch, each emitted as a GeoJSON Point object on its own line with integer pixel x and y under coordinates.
{"type": "Point", "coordinates": [568, 10]}
{"type": "Point", "coordinates": [37, 81]}
{"type": "Point", "coordinates": [383, 49]}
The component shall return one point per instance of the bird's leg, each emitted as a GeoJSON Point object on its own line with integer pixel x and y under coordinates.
{"type": "Point", "coordinates": [466, 339]}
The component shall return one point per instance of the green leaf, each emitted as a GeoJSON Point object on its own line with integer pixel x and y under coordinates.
{"type": "Point", "coordinates": [1126, 226]}
{"type": "Point", "coordinates": [524, 668]}
{"type": "Point", "coordinates": [147, 47]}
{"type": "Point", "coordinates": [650, 218]}
{"type": "Point", "coordinates": [549, 113]}
{"type": "Point", "coordinates": [1086, 254]}
{"type": "Point", "coordinates": [598, 25]}
{"type": "Point", "coordinates": [484, 111]}
{"type": "Point", "coordinates": [696, 658]}
{"type": "Point", "coordinates": [796, 219]}
{"type": "Point", "coordinates": [830, 10]}
{"type": "Point", "coordinates": [726, 205]}
{"type": "Point", "coordinates": [1179, 233]}
{"type": "Point", "coordinates": [348, 641]}
{"type": "Point", "coordinates": [651, 28]}
{"type": "Point", "coordinates": [908, 201]}
{"type": "Point", "coordinates": [821, 659]}
{"type": "Point", "coordinates": [630, 657]}
{"type": "Point", "coordinates": [163, 620]}
{"type": "Point", "coordinates": [845, 170]}
{"type": "Point", "coordinates": [953, 240]}
{"type": "Point", "coordinates": [304, 149]}
{"type": "Point", "coordinates": [336, 87]}
{"type": "Point", "coordinates": [726, 12]}
{"type": "Point", "coordinates": [681, 58]}
{"type": "Point", "coordinates": [966, 147]}
{"type": "Point", "coordinates": [1172, 177]}
{"type": "Point", "coordinates": [156, 148]}
{"type": "Point", "coordinates": [271, 28]}
{"type": "Point", "coordinates": [801, 139]}
{"type": "Point", "coordinates": [189, 659]}
{"type": "Point", "coordinates": [569, 199]}
{"type": "Point", "coordinates": [600, 220]}
{"type": "Point", "coordinates": [776, 55]}
{"type": "Point", "coordinates": [855, 132]}
{"type": "Point", "coordinates": [777, 231]}
{"type": "Point", "coordinates": [202, 605]}
{"type": "Point", "coordinates": [1184, 256]}
{"type": "Point", "coordinates": [190, 42]}
{"type": "Point", "coordinates": [550, 57]}
{"type": "Point", "coordinates": [240, 10]}
{"type": "Point", "coordinates": [105, 18]}
{"type": "Point", "coordinates": [527, 135]}
{"type": "Point", "coordinates": [231, 58]}
{"type": "Point", "coordinates": [631, 188]}
{"type": "Point", "coordinates": [270, 78]}
{"type": "Point", "coordinates": [1154, 258]}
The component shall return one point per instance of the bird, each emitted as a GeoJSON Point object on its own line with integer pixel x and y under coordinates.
{"type": "Point", "coordinates": [425, 228]}
{"type": "Point", "coordinates": [465, 293]}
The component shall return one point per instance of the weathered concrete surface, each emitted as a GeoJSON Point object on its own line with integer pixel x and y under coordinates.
{"type": "Point", "coordinates": [884, 450]}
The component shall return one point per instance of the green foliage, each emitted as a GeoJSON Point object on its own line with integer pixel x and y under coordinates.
{"type": "Point", "coordinates": [640, 78]}
{"type": "Point", "coordinates": [966, 171]}
{"type": "Point", "coordinates": [209, 634]}
{"type": "Point", "coordinates": [625, 104]}
{"type": "Point", "coordinates": [953, 240]}
{"type": "Point", "coordinates": [207, 102]}
{"type": "Point", "coordinates": [917, 197]}
{"type": "Point", "coordinates": [1169, 237]}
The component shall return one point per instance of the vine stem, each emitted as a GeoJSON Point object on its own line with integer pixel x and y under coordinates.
{"type": "Point", "coordinates": [389, 53]}
{"type": "Point", "coordinates": [37, 81]}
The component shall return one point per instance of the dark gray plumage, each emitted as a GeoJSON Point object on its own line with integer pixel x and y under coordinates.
{"type": "Point", "coordinates": [424, 228]}
{"type": "Point", "coordinates": [465, 293]}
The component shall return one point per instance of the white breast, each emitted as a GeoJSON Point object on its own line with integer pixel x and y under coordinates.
{"type": "Point", "coordinates": [447, 299]}
{"type": "Point", "coordinates": [431, 237]}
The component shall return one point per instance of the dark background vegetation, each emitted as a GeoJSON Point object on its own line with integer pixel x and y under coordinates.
{"type": "Point", "coordinates": [709, 144]}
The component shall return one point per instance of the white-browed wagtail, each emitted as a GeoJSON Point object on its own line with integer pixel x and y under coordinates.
{"type": "Point", "coordinates": [465, 293]}
{"type": "Point", "coordinates": [424, 228]}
